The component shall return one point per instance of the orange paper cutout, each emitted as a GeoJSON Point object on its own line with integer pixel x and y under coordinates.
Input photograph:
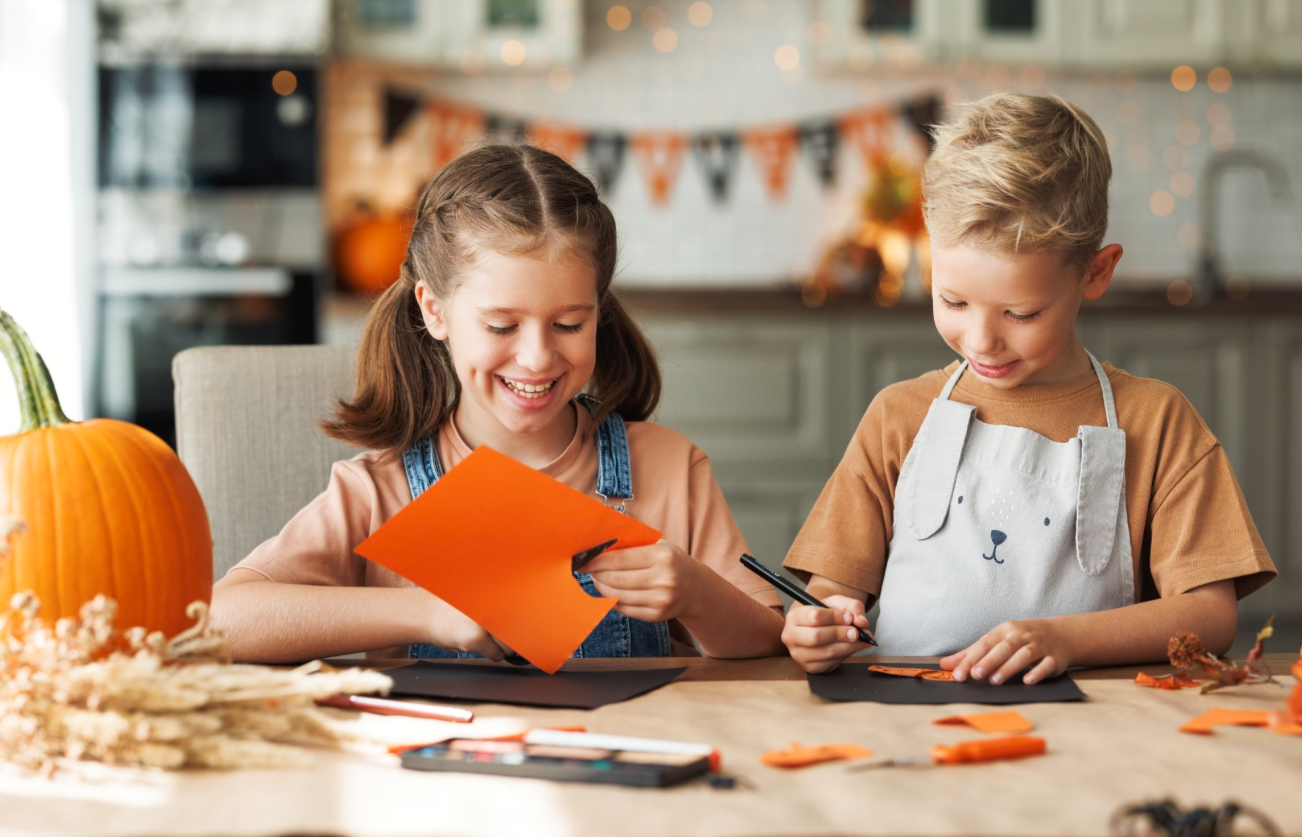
{"type": "Point", "coordinates": [920, 673]}
{"type": "Point", "coordinates": [1295, 698]}
{"type": "Point", "coordinates": [990, 722]}
{"type": "Point", "coordinates": [659, 155]}
{"type": "Point", "coordinates": [494, 539]}
{"type": "Point", "coordinates": [564, 141]}
{"type": "Point", "coordinates": [798, 756]}
{"type": "Point", "coordinates": [452, 126]}
{"type": "Point", "coordinates": [1173, 682]}
{"type": "Point", "coordinates": [1202, 725]}
{"type": "Point", "coordinates": [772, 149]}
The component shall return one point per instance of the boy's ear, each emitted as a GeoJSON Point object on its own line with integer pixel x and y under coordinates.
{"type": "Point", "coordinates": [1098, 275]}
{"type": "Point", "coordinates": [431, 311]}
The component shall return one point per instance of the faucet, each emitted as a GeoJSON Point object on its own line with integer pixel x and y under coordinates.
{"type": "Point", "coordinates": [1210, 280]}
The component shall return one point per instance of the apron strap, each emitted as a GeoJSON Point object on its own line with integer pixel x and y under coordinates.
{"type": "Point", "coordinates": [1099, 496]}
{"type": "Point", "coordinates": [1109, 404]}
{"type": "Point", "coordinates": [939, 448]}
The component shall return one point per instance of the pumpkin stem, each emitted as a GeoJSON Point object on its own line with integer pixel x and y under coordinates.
{"type": "Point", "coordinates": [37, 399]}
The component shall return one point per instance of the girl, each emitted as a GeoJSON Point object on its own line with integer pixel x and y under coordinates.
{"type": "Point", "coordinates": [503, 331]}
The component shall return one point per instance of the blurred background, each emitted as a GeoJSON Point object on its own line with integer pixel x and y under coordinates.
{"type": "Point", "coordinates": [191, 172]}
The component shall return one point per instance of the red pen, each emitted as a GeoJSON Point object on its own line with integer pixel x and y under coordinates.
{"type": "Point", "coordinates": [388, 706]}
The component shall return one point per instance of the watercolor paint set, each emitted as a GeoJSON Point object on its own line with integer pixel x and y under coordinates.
{"type": "Point", "coordinates": [558, 762]}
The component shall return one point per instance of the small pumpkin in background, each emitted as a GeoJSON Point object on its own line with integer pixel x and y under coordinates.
{"type": "Point", "coordinates": [370, 250]}
{"type": "Point", "coordinates": [106, 507]}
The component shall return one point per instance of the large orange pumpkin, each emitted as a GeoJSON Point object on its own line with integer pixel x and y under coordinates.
{"type": "Point", "coordinates": [107, 507]}
{"type": "Point", "coordinates": [370, 251]}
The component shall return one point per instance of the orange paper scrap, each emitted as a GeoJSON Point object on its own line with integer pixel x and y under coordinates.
{"type": "Point", "coordinates": [1175, 682]}
{"type": "Point", "coordinates": [1202, 725]}
{"type": "Point", "coordinates": [494, 538]}
{"type": "Point", "coordinates": [990, 722]}
{"type": "Point", "coordinates": [798, 756]}
{"type": "Point", "coordinates": [921, 673]}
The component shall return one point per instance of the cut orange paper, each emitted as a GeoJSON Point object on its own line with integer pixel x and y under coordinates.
{"type": "Point", "coordinates": [494, 538]}
{"type": "Point", "coordinates": [921, 673]}
{"type": "Point", "coordinates": [1202, 725]}
{"type": "Point", "coordinates": [798, 756]}
{"type": "Point", "coordinates": [990, 722]}
{"type": "Point", "coordinates": [1173, 682]}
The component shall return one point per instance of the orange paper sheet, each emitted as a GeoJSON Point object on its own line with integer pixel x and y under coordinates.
{"type": "Point", "coordinates": [494, 539]}
{"type": "Point", "coordinates": [921, 673]}
{"type": "Point", "coordinates": [798, 756]}
{"type": "Point", "coordinates": [990, 722]}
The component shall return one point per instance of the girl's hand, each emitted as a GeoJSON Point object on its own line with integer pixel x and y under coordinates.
{"type": "Point", "coordinates": [819, 638]}
{"type": "Point", "coordinates": [1010, 648]}
{"type": "Point", "coordinates": [653, 582]}
{"type": "Point", "coordinates": [452, 630]}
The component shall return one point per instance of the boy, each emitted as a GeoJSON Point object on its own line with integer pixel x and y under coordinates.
{"type": "Point", "coordinates": [1028, 508]}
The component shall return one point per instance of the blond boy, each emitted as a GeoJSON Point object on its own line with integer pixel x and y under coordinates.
{"type": "Point", "coordinates": [1027, 508]}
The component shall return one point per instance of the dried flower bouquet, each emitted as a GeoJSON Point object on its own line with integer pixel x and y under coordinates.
{"type": "Point", "coordinates": [82, 690]}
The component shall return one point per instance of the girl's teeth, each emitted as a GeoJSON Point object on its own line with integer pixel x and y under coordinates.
{"type": "Point", "coordinates": [528, 390]}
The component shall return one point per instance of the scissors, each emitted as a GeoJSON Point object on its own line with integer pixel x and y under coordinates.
{"type": "Point", "coordinates": [577, 562]}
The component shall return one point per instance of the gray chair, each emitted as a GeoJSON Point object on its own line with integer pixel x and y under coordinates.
{"type": "Point", "coordinates": [246, 428]}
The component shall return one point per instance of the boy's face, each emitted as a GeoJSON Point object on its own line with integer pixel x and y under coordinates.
{"type": "Point", "coordinates": [1013, 316]}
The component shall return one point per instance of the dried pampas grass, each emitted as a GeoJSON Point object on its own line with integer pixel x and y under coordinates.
{"type": "Point", "coordinates": [82, 690]}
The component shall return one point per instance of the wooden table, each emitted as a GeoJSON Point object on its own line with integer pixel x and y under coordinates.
{"type": "Point", "coordinates": [1120, 746]}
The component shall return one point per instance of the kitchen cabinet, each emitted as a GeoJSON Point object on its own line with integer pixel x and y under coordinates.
{"type": "Point", "coordinates": [1139, 35]}
{"type": "Point", "coordinates": [466, 34]}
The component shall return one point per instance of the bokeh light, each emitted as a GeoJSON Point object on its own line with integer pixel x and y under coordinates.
{"type": "Point", "coordinates": [700, 14]}
{"type": "Point", "coordinates": [513, 53]}
{"type": "Point", "coordinates": [1162, 203]}
{"type": "Point", "coordinates": [819, 33]}
{"type": "Point", "coordinates": [665, 40]}
{"type": "Point", "coordinates": [1183, 78]}
{"type": "Point", "coordinates": [284, 82]}
{"type": "Point", "coordinates": [653, 18]}
{"type": "Point", "coordinates": [1179, 292]}
{"type": "Point", "coordinates": [619, 18]}
{"type": "Point", "coordinates": [1187, 132]}
{"type": "Point", "coordinates": [787, 57]}
{"type": "Point", "coordinates": [1182, 184]}
{"type": "Point", "coordinates": [1219, 80]}
{"type": "Point", "coordinates": [560, 79]}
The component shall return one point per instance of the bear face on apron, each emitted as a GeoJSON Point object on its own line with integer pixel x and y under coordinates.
{"type": "Point", "coordinates": [616, 635]}
{"type": "Point", "coordinates": [995, 523]}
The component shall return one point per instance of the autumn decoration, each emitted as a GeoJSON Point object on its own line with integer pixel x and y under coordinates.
{"type": "Point", "coordinates": [370, 250]}
{"type": "Point", "coordinates": [76, 689]}
{"type": "Point", "coordinates": [1186, 653]}
{"type": "Point", "coordinates": [98, 507]}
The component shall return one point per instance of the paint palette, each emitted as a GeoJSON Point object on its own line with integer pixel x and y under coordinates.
{"type": "Point", "coordinates": [563, 764]}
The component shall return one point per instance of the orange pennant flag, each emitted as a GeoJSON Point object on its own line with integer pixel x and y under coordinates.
{"type": "Point", "coordinates": [660, 156]}
{"type": "Point", "coordinates": [565, 141]}
{"type": "Point", "coordinates": [494, 538]}
{"type": "Point", "coordinates": [772, 150]}
{"type": "Point", "coordinates": [453, 125]}
{"type": "Point", "coordinates": [871, 131]}
{"type": "Point", "coordinates": [798, 756]}
{"type": "Point", "coordinates": [990, 722]}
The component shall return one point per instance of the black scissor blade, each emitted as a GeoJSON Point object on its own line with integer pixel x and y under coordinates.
{"type": "Point", "coordinates": [581, 559]}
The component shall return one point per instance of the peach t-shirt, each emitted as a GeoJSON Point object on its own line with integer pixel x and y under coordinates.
{"type": "Point", "coordinates": [1189, 524]}
{"type": "Point", "coordinates": [673, 490]}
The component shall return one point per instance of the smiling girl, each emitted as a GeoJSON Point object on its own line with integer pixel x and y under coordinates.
{"type": "Point", "coordinates": [503, 331]}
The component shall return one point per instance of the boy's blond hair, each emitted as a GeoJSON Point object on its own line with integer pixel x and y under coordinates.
{"type": "Point", "coordinates": [1019, 174]}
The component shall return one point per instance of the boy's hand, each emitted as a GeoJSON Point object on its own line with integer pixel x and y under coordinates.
{"type": "Point", "coordinates": [1010, 648]}
{"type": "Point", "coordinates": [653, 582]}
{"type": "Point", "coordinates": [819, 638]}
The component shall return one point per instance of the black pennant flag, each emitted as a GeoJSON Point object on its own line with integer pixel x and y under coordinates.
{"type": "Point", "coordinates": [506, 127]}
{"type": "Point", "coordinates": [606, 156]}
{"type": "Point", "coordinates": [822, 140]}
{"type": "Point", "coordinates": [716, 154]}
{"type": "Point", "coordinates": [398, 110]}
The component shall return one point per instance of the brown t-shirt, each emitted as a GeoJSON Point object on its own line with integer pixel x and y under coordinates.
{"type": "Point", "coordinates": [1188, 522]}
{"type": "Point", "coordinates": [673, 490]}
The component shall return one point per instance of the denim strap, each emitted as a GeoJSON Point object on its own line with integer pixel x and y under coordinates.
{"type": "Point", "coordinates": [421, 462]}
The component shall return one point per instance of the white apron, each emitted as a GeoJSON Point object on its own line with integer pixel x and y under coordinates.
{"type": "Point", "coordinates": [994, 523]}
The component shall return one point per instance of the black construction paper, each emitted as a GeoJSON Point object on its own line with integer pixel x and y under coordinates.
{"type": "Point", "coordinates": [854, 682]}
{"type": "Point", "coordinates": [526, 686]}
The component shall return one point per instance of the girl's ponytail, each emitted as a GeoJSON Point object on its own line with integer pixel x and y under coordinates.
{"type": "Point", "coordinates": [406, 386]}
{"type": "Point", "coordinates": [627, 376]}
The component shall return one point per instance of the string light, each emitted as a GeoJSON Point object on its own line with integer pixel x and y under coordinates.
{"type": "Point", "coordinates": [619, 18]}
{"type": "Point", "coordinates": [1183, 78]}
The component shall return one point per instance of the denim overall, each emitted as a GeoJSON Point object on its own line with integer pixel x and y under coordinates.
{"type": "Point", "coordinates": [616, 635]}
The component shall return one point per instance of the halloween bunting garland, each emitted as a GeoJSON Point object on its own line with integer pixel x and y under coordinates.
{"type": "Point", "coordinates": [659, 154]}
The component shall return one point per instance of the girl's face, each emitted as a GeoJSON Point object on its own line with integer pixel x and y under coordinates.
{"type": "Point", "coordinates": [522, 331]}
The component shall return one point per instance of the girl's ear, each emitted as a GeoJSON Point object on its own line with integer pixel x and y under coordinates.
{"type": "Point", "coordinates": [431, 311]}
